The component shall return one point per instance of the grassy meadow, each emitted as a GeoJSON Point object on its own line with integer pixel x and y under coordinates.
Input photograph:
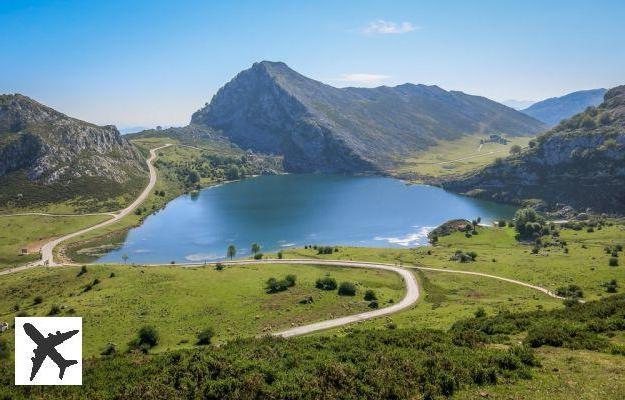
{"type": "Point", "coordinates": [450, 157]}
{"type": "Point", "coordinates": [180, 302]}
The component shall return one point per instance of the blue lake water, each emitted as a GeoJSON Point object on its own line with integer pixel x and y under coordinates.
{"type": "Point", "coordinates": [281, 211]}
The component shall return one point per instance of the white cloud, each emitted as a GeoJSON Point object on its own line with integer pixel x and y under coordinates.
{"type": "Point", "coordinates": [364, 79]}
{"type": "Point", "coordinates": [382, 27]}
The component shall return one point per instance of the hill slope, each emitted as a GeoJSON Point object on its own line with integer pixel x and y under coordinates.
{"type": "Point", "coordinates": [46, 156]}
{"type": "Point", "coordinates": [317, 127]}
{"type": "Point", "coordinates": [580, 163]}
{"type": "Point", "coordinates": [555, 109]}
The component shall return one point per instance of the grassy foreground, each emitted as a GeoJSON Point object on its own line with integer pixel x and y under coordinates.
{"type": "Point", "coordinates": [180, 302]}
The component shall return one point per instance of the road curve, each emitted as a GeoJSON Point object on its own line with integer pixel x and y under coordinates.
{"type": "Point", "coordinates": [47, 250]}
{"type": "Point", "coordinates": [411, 297]}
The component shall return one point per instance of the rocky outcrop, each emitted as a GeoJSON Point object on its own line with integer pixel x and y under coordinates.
{"type": "Point", "coordinates": [45, 147]}
{"type": "Point", "coordinates": [272, 109]}
{"type": "Point", "coordinates": [580, 163]}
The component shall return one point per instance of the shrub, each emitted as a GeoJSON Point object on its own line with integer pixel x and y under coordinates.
{"type": "Point", "coordinates": [280, 255]}
{"type": "Point", "coordinates": [613, 262]}
{"type": "Point", "coordinates": [347, 289]}
{"type": "Point", "coordinates": [38, 300]}
{"type": "Point", "coordinates": [573, 291]}
{"type": "Point", "coordinates": [480, 312]}
{"type": "Point", "coordinates": [370, 295]}
{"type": "Point", "coordinates": [112, 275]}
{"type": "Point", "coordinates": [109, 350]}
{"type": "Point", "coordinates": [610, 286]}
{"type": "Point", "coordinates": [501, 223]}
{"type": "Point", "coordinates": [204, 337]}
{"type": "Point", "coordinates": [274, 286]}
{"type": "Point", "coordinates": [5, 350]}
{"type": "Point", "coordinates": [258, 256]}
{"type": "Point", "coordinates": [219, 267]}
{"type": "Point", "coordinates": [374, 304]}
{"type": "Point", "coordinates": [54, 310]}
{"type": "Point", "coordinates": [147, 337]}
{"type": "Point", "coordinates": [290, 280]}
{"type": "Point", "coordinates": [325, 250]}
{"type": "Point", "coordinates": [83, 270]}
{"type": "Point", "coordinates": [326, 283]}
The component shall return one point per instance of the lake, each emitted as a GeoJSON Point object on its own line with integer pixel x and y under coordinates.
{"type": "Point", "coordinates": [283, 211]}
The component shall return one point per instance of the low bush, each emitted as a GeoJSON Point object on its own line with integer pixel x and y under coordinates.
{"type": "Point", "coordinates": [613, 262]}
{"type": "Point", "coordinates": [147, 337]}
{"type": "Point", "coordinates": [204, 337]}
{"type": "Point", "coordinates": [347, 289]}
{"type": "Point", "coordinates": [326, 283]}
{"type": "Point", "coordinates": [370, 295]}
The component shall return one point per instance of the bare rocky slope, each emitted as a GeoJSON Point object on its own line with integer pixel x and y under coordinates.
{"type": "Point", "coordinates": [580, 163]}
{"type": "Point", "coordinates": [319, 128]}
{"type": "Point", "coordinates": [46, 156]}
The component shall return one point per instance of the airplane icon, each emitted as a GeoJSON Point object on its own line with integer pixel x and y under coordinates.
{"type": "Point", "coordinates": [46, 348]}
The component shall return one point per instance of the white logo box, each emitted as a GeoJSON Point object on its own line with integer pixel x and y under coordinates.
{"type": "Point", "coordinates": [48, 331]}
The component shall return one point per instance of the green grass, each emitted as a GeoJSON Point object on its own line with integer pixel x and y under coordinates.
{"type": "Point", "coordinates": [437, 161]}
{"type": "Point", "coordinates": [586, 263]}
{"type": "Point", "coordinates": [563, 375]}
{"type": "Point", "coordinates": [28, 231]}
{"type": "Point", "coordinates": [180, 302]}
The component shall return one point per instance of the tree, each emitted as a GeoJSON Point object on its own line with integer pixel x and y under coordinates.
{"type": "Point", "coordinates": [515, 149]}
{"type": "Point", "coordinates": [125, 258]}
{"type": "Point", "coordinates": [232, 251]}
{"type": "Point", "coordinates": [255, 248]}
{"type": "Point", "coordinates": [528, 223]}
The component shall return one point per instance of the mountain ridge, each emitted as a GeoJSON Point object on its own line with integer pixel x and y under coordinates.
{"type": "Point", "coordinates": [319, 128]}
{"type": "Point", "coordinates": [555, 109]}
{"type": "Point", "coordinates": [44, 150]}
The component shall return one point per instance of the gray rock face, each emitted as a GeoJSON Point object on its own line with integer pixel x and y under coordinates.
{"type": "Point", "coordinates": [273, 109]}
{"type": "Point", "coordinates": [579, 163]}
{"type": "Point", "coordinates": [52, 147]}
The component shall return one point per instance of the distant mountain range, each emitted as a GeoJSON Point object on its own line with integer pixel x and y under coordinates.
{"type": "Point", "coordinates": [319, 128]}
{"type": "Point", "coordinates": [48, 156]}
{"type": "Point", "coordinates": [580, 163]}
{"type": "Point", "coordinates": [518, 104]}
{"type": "Point", "coordinates": [555, 109]}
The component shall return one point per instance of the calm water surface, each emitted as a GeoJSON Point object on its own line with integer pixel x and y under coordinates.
{"type": "Point", "coordinates": [281, 211]}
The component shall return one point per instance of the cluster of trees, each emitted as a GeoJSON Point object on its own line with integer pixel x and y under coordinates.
{"type": "Point", "coordinates": [529, 224]}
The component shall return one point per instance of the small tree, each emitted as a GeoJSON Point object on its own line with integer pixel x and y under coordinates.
{"type": "Point", "coordinates": [255, 248]}
{"type": "Point", "coordinates": [347, 289]}
{"type": "Point", "coordinates": [232, 251]}
{"type": "Point", "coordinates": [280, 255]}
{"type": "Point", "coordinates": [204, 337]}
{"type": "Point", "coordinates": [515, 149]}
{"type": "Point", "coordinates": [125, 258]}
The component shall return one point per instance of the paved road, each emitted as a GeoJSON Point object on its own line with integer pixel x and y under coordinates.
{"type": "Point", "coordinates": [47, 250]}
{"type": "Point", "coordinates": [411, 297]}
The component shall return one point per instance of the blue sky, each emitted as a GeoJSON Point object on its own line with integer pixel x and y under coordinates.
{"type": "Point", "coordinates": [143, 63]}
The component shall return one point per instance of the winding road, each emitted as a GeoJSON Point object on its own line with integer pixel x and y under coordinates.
{"type": "Point", "coordinates": [412, 287]}
{"type": "Point", "coordinates": [47, 250]}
